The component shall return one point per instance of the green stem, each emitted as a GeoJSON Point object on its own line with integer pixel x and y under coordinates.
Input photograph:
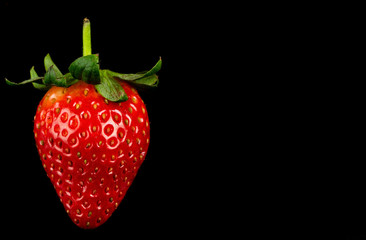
{"type": "Point", "coordinates": [86, 38]}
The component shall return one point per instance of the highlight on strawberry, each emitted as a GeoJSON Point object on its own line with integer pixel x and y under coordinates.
{"type": "Point", "coordinates": [92, 132]}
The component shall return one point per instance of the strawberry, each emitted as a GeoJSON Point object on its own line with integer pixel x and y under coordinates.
{"type": "Point", "coordinates": [92, 133]}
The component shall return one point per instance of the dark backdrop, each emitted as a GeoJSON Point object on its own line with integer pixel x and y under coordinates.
{"type": "Point", "coordinates": [253, 128]}
{"type": "Point", "coordinates": [167, 197]}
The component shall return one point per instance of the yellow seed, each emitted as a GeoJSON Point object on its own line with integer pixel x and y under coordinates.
{"type": "Point", "coordinates": [77, 106]}
{"type": "Point", "coordinates": [86, 91]}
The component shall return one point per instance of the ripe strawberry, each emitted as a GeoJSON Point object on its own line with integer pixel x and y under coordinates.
{"type": "Point", "coordinates": [91, 148]}
{"type": "Point", "coordinates": [92, 133]}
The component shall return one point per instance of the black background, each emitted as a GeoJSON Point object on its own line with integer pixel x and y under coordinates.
{"type": "Point", "coordinates": [254, 129]}
{"type": "Point", "coordinates": [172, 194]}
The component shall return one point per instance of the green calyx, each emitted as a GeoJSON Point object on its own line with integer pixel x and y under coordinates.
{"type": "Point", "coordinates": [86, 68]}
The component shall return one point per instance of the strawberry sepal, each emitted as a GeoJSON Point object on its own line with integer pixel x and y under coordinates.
{"type": "Point", "coordinates": [86, 68]}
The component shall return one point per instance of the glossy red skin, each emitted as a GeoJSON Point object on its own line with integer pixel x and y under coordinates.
{"type": "Point", "coordinates": [91, 148]}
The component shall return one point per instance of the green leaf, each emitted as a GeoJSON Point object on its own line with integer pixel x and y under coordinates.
{"type": "Point", "coordinates": [149, 81]}
{"type": "Point", "coordinates": [155, 69]}
{"type": "Point", "coordinates": [86, 68]}
{"type": "Point", "coordinates": [50, 78]}
{"type": "Point", "coordinates": [70, 80]}
{"type": "Point", "coordinates": [34, 77]}
{"type": "Point", "coordinates": [33, 73]}
{"type": "Point", "coordinates": [22, 83]}
{"type": "Point", "coordinates": [40, 86]}
{"type": "Point", "coordinates": [36, 85]}
{"type": "Point", "coordinates": [110, 88]}
{"type": "Point", "coordinates": [48, 63]}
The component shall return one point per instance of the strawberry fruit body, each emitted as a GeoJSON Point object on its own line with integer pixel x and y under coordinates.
{"type": "Point", "coordinates": [91, 148]}
{"type": "Point", "coordinates": [92, 133]}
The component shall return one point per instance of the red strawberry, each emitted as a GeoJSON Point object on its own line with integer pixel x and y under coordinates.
{"type": "Point", "coordinates": [91, 148]}
{"type": "Point", "coordinates": [92, 133]}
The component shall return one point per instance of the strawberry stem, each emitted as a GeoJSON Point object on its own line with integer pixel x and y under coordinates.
{"type": "Point", "coordinates": [86, 38]}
